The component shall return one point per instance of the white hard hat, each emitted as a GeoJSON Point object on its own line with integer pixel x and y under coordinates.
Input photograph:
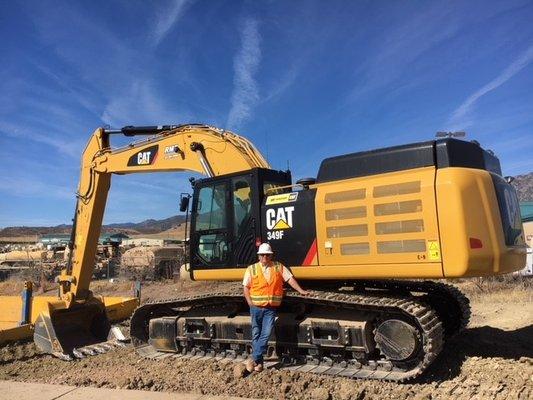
{"type": "Point", "coordinates": [265, 249]}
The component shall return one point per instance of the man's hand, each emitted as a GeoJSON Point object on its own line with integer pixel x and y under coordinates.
{"type": "Point", "coordinates": [247, 296]}
{"type": "Point", "coordinates": [294, 284]}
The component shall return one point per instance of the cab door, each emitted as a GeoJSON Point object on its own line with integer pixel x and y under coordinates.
{"type": "Point", "coordinates": [223, 227]}
{"type": "Point", "coordinates": [210, 227]}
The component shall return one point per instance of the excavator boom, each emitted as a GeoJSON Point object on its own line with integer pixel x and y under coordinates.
{"type": "Point", "coordinates": [77, 319]}
{"type": "Point", "coordinates": [196, 148]}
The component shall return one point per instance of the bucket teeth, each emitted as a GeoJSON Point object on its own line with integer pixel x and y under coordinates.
{"type": "Point", "coordinates": [99, 349]}
{"type": "Point", "coordinates": [115, 333]}
{"type": "Point", "coordinates": [107, 346]}
{"type": "Point", "coordinates": [78, 354]}
{"type": "Point", "coordinates": [88, 351]}
{"type": "Point", "coordinates": [63, 356]}
{"type": "Point", "coordinates": [95, 349]}
{"type": "Point", "coordinates": [115, 340]}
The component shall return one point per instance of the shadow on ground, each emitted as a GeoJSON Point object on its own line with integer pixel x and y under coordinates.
{"type": "Point", "coordinates": [483, 342]}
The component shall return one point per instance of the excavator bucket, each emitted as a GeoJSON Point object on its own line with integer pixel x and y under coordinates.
{"type": "Point", "coordinates": [83, 329]}
{"type": "Point", "coordinates": [67, 332]}
{"type": "Point", "coordinates": [54, 331]}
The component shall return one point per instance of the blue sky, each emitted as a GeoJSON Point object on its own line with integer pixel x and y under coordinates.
{"type": "Point", "coordinates": [303, 80]}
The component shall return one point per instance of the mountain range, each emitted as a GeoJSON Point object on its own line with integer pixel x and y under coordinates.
{"type": "Point", "coordinates": [148, 226]}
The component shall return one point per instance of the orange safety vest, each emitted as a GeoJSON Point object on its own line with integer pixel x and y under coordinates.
{"type": "Point", "coordinates": [263, 292]}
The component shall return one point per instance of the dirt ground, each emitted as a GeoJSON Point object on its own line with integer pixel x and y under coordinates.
{"type": "Point", "coordinates": [492, 359]}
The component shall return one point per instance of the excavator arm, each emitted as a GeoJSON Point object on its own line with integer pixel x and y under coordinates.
{"type": "Point", "coordinates": [197, 148]}
{"type": "Point", "coordinates": [78, 321]}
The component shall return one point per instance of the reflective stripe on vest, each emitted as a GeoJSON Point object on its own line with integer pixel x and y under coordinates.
{"type": "Point", "coordinates": [263, 292]}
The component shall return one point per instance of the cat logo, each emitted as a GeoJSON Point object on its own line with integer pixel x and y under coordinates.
{"type": "Point", "coordinates": [143, 158]}
{"type": "Point", "coordinates": [146, 156]}
{"type": "Point", "coordinates": [279, 218]}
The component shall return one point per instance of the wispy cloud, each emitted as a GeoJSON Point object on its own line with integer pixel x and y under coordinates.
{"type": "Point", "coordinates": [402, 45]}
{"type": "Point", "coordinates": [122, 91]}
{"type": "Point", "coordinates": [245, 64]}
{"type": "Point", "coordinates": [141, 104]}
{"type": "Point", "coordinates": [283, 83]}
{"type": "Point", "coordinates": [81, 94]}
{"type": "Point", "coordinates": [167, 18]}
{"type": "Point", "coordinates": [30, 187]}
{"type": "Point", "coordinates": [460, 115]}
{"type": "Point", "coordinates": [162, 186]}
{"type": "Point", "coordinates": [64, 145]}
{"type": "Point", "coordinates": [93, 37]}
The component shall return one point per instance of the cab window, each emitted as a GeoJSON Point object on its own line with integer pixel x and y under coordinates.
{"type": "Point", "coordinates": [242, 204]}
{"type": "Point", "coordinates": [211, 224]}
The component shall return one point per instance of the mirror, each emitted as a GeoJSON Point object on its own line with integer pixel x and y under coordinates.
{"type": "Point", "coordinates": [184, 203]}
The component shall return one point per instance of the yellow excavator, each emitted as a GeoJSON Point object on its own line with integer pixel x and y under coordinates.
{"type": "Point", "coordinates": [364, 236]}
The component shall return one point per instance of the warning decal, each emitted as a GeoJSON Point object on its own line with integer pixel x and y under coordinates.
{"type": "Point", "coordinates": [434, 250]}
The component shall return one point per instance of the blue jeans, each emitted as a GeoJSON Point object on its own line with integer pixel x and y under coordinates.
{"type": "Point", "coordinates": [263, 319]}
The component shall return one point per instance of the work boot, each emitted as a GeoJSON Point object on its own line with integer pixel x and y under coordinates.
{"type": "Point", "coordinates": [250, 365]}
{"type": "Point", "coordinates": [258, 368]}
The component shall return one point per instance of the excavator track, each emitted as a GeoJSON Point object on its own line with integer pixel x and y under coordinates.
{"type": "Point", "coordinates": [452, 306]}
{"type": "Point", "coordinates": [400, 331]}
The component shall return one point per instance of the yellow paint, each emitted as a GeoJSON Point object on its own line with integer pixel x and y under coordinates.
{"type": "Point", "coordinates": [468, 208]}
{"type": "Point", "coordinates": [372, 192]}
{"type": "Point", "coordinates": [11, 333]}
{"type": "Point", "coordinates": [226, 153]}
{"type": "Point", "coordinates": [365, 271]}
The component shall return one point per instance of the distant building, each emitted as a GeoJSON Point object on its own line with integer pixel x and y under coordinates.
{"type": "Point", "coordinates": [112, 238]}
{"type": "Point", "coordinates": [144, 241]}
{"type": "Point", "coordinates": [55, 240]}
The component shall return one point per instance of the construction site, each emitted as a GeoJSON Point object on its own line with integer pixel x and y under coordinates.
{"type": "Point", "coordinates": [416, 273]}
{"type": "Point", "coordinates": [237, 200]}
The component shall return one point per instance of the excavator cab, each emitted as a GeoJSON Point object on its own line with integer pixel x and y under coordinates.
{"type": "Point", "coordinates": [226, 217]}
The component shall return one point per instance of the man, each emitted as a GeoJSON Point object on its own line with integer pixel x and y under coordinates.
{"type": "Point", "coordinates": [263, 290]}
